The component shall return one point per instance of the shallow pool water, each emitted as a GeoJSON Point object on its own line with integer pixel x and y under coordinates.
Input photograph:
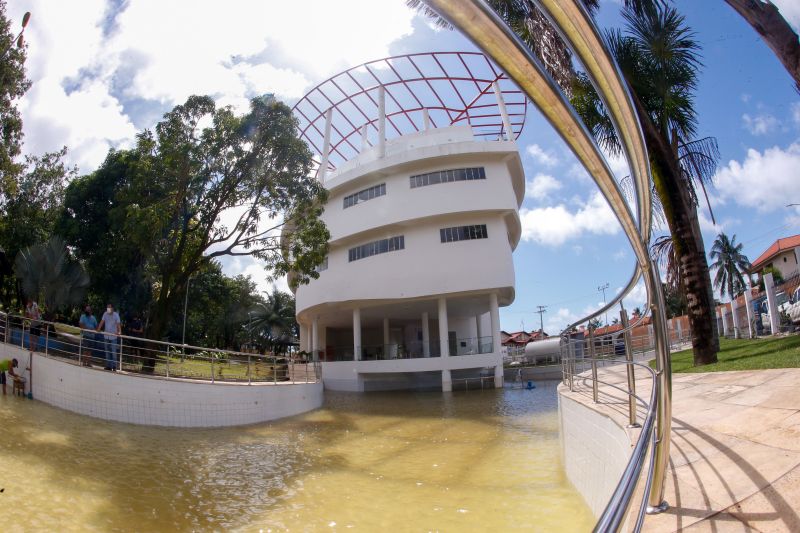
{"type": "Point", "coordinates": [401, 461]}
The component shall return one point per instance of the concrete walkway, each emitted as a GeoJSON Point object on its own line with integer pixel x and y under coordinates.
{"type": "Point", "coordinates": [735, 455]}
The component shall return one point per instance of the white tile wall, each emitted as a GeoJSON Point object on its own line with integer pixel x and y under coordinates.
{"type": "Point", "coordinates": [596, 450]}
{"type": "Point", "coordinates": [160, 402]}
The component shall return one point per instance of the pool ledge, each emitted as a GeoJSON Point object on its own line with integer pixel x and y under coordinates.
{"type": "Point", "coordinates": [735, 455]}
{"type": "Point", "coordinates": [153, 401]}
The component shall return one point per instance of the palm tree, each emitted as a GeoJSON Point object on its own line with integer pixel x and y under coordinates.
{"type": "Point", "coordinates": [730, 263]}
{"type": "Point", "coordinates": [48, 274]}
{"type": "Point", "coordinates": [273, 323]}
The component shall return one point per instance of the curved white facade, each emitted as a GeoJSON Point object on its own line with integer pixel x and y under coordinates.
{"type": "Point", "coordinates": [427, 302]}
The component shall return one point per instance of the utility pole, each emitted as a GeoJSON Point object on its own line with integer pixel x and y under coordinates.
{"type": "Point", "coordinates": [603, 289]}
{"type": "Point", "coordinates": [542, 310]}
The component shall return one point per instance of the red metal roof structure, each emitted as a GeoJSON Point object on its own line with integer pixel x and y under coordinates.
{"type": "Point", "coordinates": [453, 87]}
{"type": "Point", "coordinates": [781, 245]}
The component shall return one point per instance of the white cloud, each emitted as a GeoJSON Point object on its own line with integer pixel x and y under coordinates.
{"type": "Point", "coordinates": [553, 226]}
{"type": "Point", "coordinates": [795, 109]}
{"type": "Point", "coordinates": [93, 68]}
{"type": "Point", "coordinates": [760, 124]}
{"type": "Point", "coordinates": [764, 180]}
{"type": "Point", "coordinates": [577, 171]}
{"type": "Point", "coordinates": [540, 187]}
{"type": "Point", "coordinates": [636, 298]}
{"type": "Point", "coordinates": [618, 165]}
{"type": "Point", "coordinates": [542, 156]}
{"type": "Point", "coordinates": [706, 223]}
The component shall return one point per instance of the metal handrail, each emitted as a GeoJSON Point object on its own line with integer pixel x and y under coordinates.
{"type": "Point", "coordinates": [85, 347]}
{"type": "Point", "coordinates": [488, 31]}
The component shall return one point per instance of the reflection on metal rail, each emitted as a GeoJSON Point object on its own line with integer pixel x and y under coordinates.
{"type": "Point", "coordinates": [136, 355]}
{"type": "Point", "coordinates": [482, 25]}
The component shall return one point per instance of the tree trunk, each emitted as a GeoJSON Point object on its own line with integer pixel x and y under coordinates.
{"type": "Point", "coordinates": [765, 18]}
{"type": "Point", "coordinates": [680, 213]}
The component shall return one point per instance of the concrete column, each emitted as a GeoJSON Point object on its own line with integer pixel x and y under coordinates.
{"type": "Point", "coordinates": [680, 332]}
{"type": "Point", "coordinates": [748, 301]}
{"type": "Point", "coordinates": [447, 381]}
{"type": "Point", "coordinates": [735, 316]}
{"type": "Point", "coordinates": [326, 146]}
{"type": "Point", "coordinates": [356, 334]}
{"type": "Point", "coordinates": [426, 119]}
{"type": "Point", "coordinates": [426, 336]}
{"type": "Point", "coordinates": [388, 352]}
{"type": "Point", "coordinates": [774, 319]}
{"type": "Point", "coordinates": [494, 311]}
{"type": "Point", "coordinates": [724, 313]}
{"type": "Point", "coordinates": [503, 113]}
{"type": "Point", "coordinates": [444, 345]}
{"type": "Point", "coordinates": [478, 331]}
{"type": "Point", "coordinates": [315, 337]}
{"type": "Point", "coordinates": [381, 121]}
{"type": "Point", "coordinates": [304, 345]}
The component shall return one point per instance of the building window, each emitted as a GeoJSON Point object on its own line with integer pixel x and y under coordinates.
{"type": "Point", "coordinates": [392, 244]}
{"type": "Point", "coordinates": [445, 176]}
{"type": "Point", "coordinates": [463, 233]}
{"type": "Point", "coordinates": [322, 266]}
{"type": "Point", "coordinates": [363, 196]}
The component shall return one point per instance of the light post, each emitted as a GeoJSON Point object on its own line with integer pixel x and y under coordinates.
{"type": "Point", "coordinates": [603, 289]}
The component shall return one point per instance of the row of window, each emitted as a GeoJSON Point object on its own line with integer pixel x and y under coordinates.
{"type": "Point", "coordinates": [382, 246]}
{"type": "Point", "coordinates": [445, 176]}
{"type": "Point", "coordinates": [363, 196]}
{"type": "Point", "coordinates": [392, 244]}
{"type": "Point", "coordinates": [420, 180]}
{"type": "Point", "coordinates": [463, 233]}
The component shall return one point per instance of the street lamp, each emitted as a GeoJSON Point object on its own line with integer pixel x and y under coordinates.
{"type": "Point", "coordinates": [19, 39]}
{"type": "Point", "coordinates": [603, 289]}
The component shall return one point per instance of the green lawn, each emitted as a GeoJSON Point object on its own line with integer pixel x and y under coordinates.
{"type": "Point", "coordinates": [745, 354]}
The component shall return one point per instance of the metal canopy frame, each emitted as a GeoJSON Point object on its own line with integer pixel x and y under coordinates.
{"type": "Point", "coordinates": [445, 88]}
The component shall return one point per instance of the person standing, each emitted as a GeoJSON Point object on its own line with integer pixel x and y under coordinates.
{"type": "Point", "coordinates": [112, 328]}
{"type": "Point", "coordinates": [136, 329]}
{"type": "Point", "coordinates": [35, 316]}
{"type": "Point", "coordinates": [88, 324]}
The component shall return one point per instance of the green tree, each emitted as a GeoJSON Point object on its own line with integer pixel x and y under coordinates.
{"type": "Point", "coordinates": [658, 57]}
{"type": "Point", "coordinates": [777, 277]}
{"type": "Point", "coordinates": [92, 221]}
{"type": "Point", "coordinates": [273, 323]}
{"type": "Point", "coordinates": [227, 189]}
{"type": "Point", "coordinates": [30, 211]}
{"type": "Point", "coordinates": [13, 85]}
{"type": "Point", "coordinates": [49, 275]}
{"type": "Point", "coordinates": [731, 265]}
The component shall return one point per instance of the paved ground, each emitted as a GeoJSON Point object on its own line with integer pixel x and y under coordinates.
{"type": "Point", "coordinates": [735, 456]}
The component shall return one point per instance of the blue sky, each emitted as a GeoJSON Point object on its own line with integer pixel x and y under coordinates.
{"type": "Point", "coordinates": [102, 70]}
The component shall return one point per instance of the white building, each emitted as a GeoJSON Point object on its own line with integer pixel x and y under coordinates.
{"type": "Point", "coordinates": [422, 228]}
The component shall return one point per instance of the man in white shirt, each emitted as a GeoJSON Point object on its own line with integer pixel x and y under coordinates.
{"type": "Point", "coordinates": [110, 324]}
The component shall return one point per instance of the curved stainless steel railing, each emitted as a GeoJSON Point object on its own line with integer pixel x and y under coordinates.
{"type": "Point", "coordinates": [151, 358]}
{"type": "Point", "coordinates": [483, 26]}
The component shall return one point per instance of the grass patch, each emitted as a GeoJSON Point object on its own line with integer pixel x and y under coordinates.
{"type": "Point", "coordinates": [745, 354]}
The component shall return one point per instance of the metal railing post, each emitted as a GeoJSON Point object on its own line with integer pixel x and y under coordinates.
{"type": "Point", "coordinates": [623, 317]}
{"type": "Point", "coordinates": [167, 367]}
{"type": "Point", "coordinates": [46, 337]}
{"type": "Point", "coordinates": [595, 393]}
{"type": "Point", "coordinates": [656, 502]}
{"type": "Point", "coordinates": [212, 367]}
{"type": "Point", "coordinates": [249, 369]}
{"type": "Point", "coordinates": [274, 370]}
{"type": "Point", "coordinates": [7, 336]}
{"type": "Point", "coordinates": [121, 347]}
{"type": "Point", "coordinates": [80, 349]}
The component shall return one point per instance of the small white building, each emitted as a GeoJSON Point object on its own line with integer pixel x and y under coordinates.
{"type": "Point", "coordinates": [423, 225]}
